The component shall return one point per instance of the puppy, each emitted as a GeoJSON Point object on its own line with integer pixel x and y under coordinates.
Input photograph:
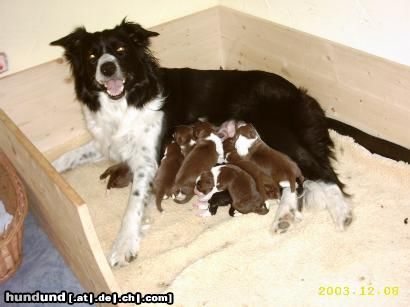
{"type": "Point", "coordinates": [183, 136]}
{"type": "Point", "coordinates": [266, 185]}
{"type": "Point", "coordinates": [273, 163]}
{"type": "Point", "coordinates": [241, 187]}
{"type": "Point", "coordinates": [280, 167]}
{"type": "Point", "coordinates": [120, 176]}
{"type": "Point", "coordinates": [164, 179]}
{"type": "Point", "coordinates": [227, 129]}
{"type": "Point", "coordinates": [205, 154]}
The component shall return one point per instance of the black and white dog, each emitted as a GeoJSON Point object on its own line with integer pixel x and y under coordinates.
{"type": "Point", "coordinates": [131, 106]}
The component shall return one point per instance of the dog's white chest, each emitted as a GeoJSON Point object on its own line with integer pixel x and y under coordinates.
{"type": "Point", "coordinates": [122, 131]}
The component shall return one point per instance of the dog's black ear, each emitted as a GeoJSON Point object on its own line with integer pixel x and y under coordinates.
{"type": "Point", "coordinates": [72, 40]}
{"type": "Point", "coordinates": [138, 34]}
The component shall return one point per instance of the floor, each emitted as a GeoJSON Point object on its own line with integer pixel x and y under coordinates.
{"type": "Point", "coordinates": [42, 269]}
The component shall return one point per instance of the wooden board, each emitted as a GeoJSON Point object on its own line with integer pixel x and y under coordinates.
{"type": "Point", "coordinates": [62, 213]}
{"type": "Point", "coordinates": [365, 91]}
{"type": "Point", "coordinates": [41, 102]}
{"type": "Point", "coordinates": [191, 41]}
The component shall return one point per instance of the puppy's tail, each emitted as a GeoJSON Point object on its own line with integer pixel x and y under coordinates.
{"type": "Point", "coordinates": [159, 196]}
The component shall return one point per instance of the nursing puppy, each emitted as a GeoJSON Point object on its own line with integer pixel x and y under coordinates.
{"type": "Point", "coordinates": [241, 187]}
{"type": "Point", "coordinates": [204, 155]}
{"type": "Point", "coordinates": [266, 185]}
{"type": "Point", "coordinates": [276, 165]}
{"type": "Point", "coordinates": [184, 137]}
{"type": "Point", "coordinates": [164, 179]}
{"type": "Point", "coordinates": [273, 163]}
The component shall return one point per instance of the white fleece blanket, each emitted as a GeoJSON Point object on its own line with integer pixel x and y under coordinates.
{"type": "Point", "coordinates": [224, 261]}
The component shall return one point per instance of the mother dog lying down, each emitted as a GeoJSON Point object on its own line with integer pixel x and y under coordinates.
{"type": "Point", "coordinates": [131, 106]}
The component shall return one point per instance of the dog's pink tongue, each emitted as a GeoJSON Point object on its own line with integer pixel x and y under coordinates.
{"type": "Point", "coordinates": [114, 87]}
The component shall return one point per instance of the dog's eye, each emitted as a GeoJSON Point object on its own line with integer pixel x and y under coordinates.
{"type": "Point", "coordinates": [92, 57]}
{"type": "Point", "coordinates": [120, 50]}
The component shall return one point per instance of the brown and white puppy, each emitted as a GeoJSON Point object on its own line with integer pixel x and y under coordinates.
{"type": "Point", "coordinates": [167, 171]}
{"type": "Point", "coordinates": [227, 129]}
{"type": "Point", "coordinates": [205, 154]}
{"type": "Point", "coordinates": [183, 136]}
{"type": "Point", "coordinates": [273, 163]}
{"type": "Point", "coordinates": [240, 185]}
{"type": "Point", "coordinates": [120, 176]}
{"type": "Point", "coordinates": [279, 166]}
{"type": "Point", "coordinates": [266, 185]}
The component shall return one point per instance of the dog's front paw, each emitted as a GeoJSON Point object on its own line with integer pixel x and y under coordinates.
{"type": "Point", "coordinates": [61, 164]}
{"type": "Point", "coordinates": [124, 250]}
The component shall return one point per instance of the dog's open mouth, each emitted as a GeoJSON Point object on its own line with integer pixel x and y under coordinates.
{"type": "Point", "coordinates": [114, 88]}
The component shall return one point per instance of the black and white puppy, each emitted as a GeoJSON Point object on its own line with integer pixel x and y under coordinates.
{"type": "Point", "coordinates": [131, 106]}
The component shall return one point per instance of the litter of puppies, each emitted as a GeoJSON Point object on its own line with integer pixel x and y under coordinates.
{"type": "Point", "coordinates": [225, 165]}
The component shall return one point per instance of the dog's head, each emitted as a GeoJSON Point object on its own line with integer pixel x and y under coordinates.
{"type": "Point", "coordinates": [204, 183]}
{"type": "Point", "coordinates": [246, 130]}
{"type": "Point", "coordinates": [202, 130]}
{"type": "Point", "coordinates": [114, 62]}
{"type": "Point", "coordinates": [183, 135]}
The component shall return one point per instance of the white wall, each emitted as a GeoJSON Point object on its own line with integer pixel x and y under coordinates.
{"type": "Point", "coordinates": [379, 27]}
{"type": "Point", "coordinates": [28, 26]}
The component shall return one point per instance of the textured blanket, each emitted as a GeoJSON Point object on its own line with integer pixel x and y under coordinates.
{"type": "Point", "coordinates": [224, 261]}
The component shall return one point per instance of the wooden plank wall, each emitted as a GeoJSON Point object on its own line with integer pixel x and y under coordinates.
{"type": "Point", "coordinates": [60, 210]}
{"type": "Point", "coordinates": [365, 91]}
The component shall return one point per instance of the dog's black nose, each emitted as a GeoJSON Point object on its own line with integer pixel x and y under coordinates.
{"type": "Point", "coordinates": [108, 69]}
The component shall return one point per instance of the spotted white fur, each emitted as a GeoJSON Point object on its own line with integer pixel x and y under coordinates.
{"type": "Point", "coordinates": [87, 153]}
{"type": "Point", "coordinates": [287, 211]}
{"type": "Point", "coordinates": [320, 195]}
{"type": "Point", "coordinates": [124, 134]}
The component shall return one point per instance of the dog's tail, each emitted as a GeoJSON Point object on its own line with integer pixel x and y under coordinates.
{"type": "Point", "coordinates": [371, 143]}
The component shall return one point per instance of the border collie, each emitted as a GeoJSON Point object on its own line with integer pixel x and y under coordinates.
{"type": "Point", "coordinates": [131, 106]}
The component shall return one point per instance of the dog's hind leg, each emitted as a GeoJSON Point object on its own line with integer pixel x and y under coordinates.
{"type": "Point", "coordinates": [339, 209]}
{"type": "Point", "coordinates": [87, 153]}
{"type": "Point", "coordinates": [126, 245]}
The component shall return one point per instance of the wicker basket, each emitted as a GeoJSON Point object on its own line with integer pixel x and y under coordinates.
{"type": "Point", "coordinates": [13, 195]}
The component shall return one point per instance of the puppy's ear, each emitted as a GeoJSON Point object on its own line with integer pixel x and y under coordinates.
{"type": "Point", "coordinates": [72, 40]}
{"type": "Point", "coordinates": [138, 34]}
{"type": "Point", "coordinates": [199, 133]}
{"type": "Point", "coordinates": [252, 133]}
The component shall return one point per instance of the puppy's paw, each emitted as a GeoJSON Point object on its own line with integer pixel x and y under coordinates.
{"type": "Point", "coordinates": [202, 205]}
{"type": "Point", "coordinates": [125, 249]}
